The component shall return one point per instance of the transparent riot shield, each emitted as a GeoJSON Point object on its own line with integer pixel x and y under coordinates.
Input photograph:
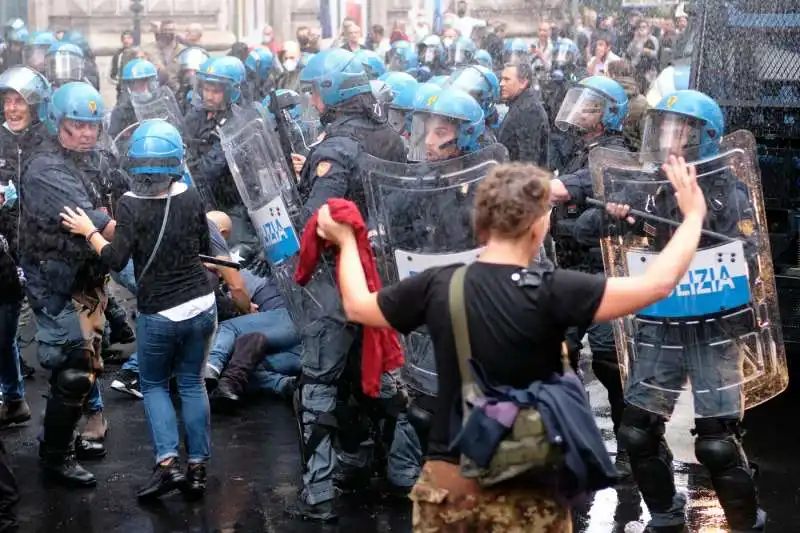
{"type": "Point", "coordinates": [268, 191]}
{"type": "Point", "coordinates": [122, 138]}
{"type": "Point", "coordinates": [160, 104]}
{"type": "Point", "coordinates": [717, 336]}
{"type": "Point", "coordinates": [422, 215]}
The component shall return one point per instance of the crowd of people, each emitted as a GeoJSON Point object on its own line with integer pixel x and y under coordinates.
{"type": "Point", "coordinates": [432, 148]}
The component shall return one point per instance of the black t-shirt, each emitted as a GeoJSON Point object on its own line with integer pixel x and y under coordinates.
{"type": "Point", "coordinates": [515, 331]}
{"type": "Point", "coordinates": [176, 274]}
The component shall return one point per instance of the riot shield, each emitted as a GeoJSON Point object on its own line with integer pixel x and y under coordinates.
{"type": "Point", "coordinates": [122, 138]}
{"type": "Point", "coordinates": [717, 336]}
{"type": "Point", "coordinates": [160, 104]}
{"type": "Point", "coordinates": [267, 189]}
{"type": "Point", "coordinates": [422, 214]}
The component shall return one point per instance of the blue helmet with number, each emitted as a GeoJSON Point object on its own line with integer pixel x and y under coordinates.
{"type": "Point", "coordinates": [484, 59]}
{"type": "Point", "coordinates": [227, 71]}
{"type": "Point", "coordinates": [455, 106]}
{"type": "Point", "coordinates": [76, 101]}
{"type": "Point", "coordinates": [372, 62]}
{"type": "Point", "coordinates": [155, 147]}
{"type": "Point", "coordinates": [685, 123]}
{"type": "Point", "coordinates": [259, 62]}
{"type": "Point", "coordinates": [596, 98]}
{"type": "Point", "coordinates": [336, 75]}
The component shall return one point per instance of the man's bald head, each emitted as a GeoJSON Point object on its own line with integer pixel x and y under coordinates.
{"type": "Point", "coordinates": [222, 222]}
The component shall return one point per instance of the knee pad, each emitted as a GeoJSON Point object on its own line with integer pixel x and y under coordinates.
{"type": "Point", "coordinates": [74, 384]}
{"type": "Point", "coordinates": [717, 445]}
{"type": "Point", "coordinates": [640, 432]}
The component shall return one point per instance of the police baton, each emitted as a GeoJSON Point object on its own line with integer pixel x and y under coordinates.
{"type": "Point", "coordinates": [662, 220]}
{"type": "Point", "coordinates": [219, 262]}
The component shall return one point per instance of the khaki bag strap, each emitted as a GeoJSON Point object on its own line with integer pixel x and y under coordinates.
{"type": "Point", "coordinates": [458, 318]}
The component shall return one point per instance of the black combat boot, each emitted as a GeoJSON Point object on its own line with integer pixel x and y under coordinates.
{"type": "Point", "coordinates": [58, 447]}
{"type": "Point", "coordinates": [166, 477]}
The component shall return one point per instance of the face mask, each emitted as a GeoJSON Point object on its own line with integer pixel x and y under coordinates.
{"type": "Point", "coordinates": [266, 40]}
{"type": "Point", "coordinates": [448, 41]}
{"type": "Point", "coordinates": [290, 64]}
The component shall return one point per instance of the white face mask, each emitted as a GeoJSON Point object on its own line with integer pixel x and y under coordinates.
{"type": "Point", "coordinates": [447, 41]}
{"type": "Point", "coordinates": [266, 39]}
{"type": "Point", "coordinates": [290, 64]}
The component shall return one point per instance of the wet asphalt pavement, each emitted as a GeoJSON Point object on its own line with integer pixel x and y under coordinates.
{"type": "Point", "coordinates": [255, 469]}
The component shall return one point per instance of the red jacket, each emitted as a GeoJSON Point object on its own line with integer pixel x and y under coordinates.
{"type": "Point", "coordinates": [381, 350]}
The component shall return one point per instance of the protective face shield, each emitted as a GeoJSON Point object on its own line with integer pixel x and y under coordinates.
{"type": "Point", "coordinates": [397, 119]}
{"type": "Point", "coordinates": [17, 112]}
{"type": "Point", "coordinates": [212, 94]}
{"type": "Point", "coordinates": [35, 55]}
{"type": "Point", "coordinates": [190, 61]}
{"type": "Point", "coordinates": [666, 134]}
{"type": "Point", "coordinates": [64, 66]}
{"type": "Point", "coordinates": [581, 110]}
{"type": "Point", "coordinates": [141, 88]}
{"type": "Point", "coordinates": [433, 137]}
{"type": "Point", "coordinates": [564, 55]}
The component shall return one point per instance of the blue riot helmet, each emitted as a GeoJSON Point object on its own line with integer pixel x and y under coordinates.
{"type": "Point", "coordinates": [259, 63]}
{"type": "Point", "coordinates": [685, 123]}
{"type": "Point", "coordinates": [565, 53]}
{"type": "Point", "coordinates": [518, 52]}
{"type": "Point", "coordinates": [81, 105]}
{"type": "Point", "coordinates": [484, 59]}
{"type": "Point", "coordinates": [220, 82]}
{"type": "Point", "coordinates": [336, 76]}
{"type": "Point", "coordinates": [447, 125]}
{"type": "Point", "coordinates": [404, 88]}
{"type": "Point", "coordinates": [595, 100]}
{"type": "Point", "coordinates": [32, 88]}
{"type": "Point", "coordinates": [18, 36]}
{"type": "Point", "coordinates": [190, 60]}
{"type": "Point", "coordinates": [155, 157]}
{"type": "Point", "coordinates": [64, 63]}
{"type": "Point", "coordinates": [139, 76]}
{"type": "Point", "coordinates": [441, 81]}
{"type": "Point", "coordinates": [405, 58]}
{"type": "Point", "coordinates": [36, 49]}
{"type": "Point", "coordinates": [462, 52]}
{"type": "Point", "coordinates": [372, 62]}
{"type": "Point", "coordinates": [431, 52]}
{"type": "Point", "coordinates": [480, 83]}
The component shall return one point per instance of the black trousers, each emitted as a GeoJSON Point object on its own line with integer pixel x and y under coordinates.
{"type": "Point", "coordinates": [9, 495]}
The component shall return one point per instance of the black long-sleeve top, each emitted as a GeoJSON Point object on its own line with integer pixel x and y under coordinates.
{"type": "Point", "coordinates": [176, 275]}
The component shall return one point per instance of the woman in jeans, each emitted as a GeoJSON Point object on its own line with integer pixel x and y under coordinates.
{"type": "Point", "coordinates": [516, 322]}
{"type": "Point", "coordinates": [161, 225]}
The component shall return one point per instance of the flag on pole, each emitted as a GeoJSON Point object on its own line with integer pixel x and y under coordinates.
{"type": "Point", "coordinates": [437, 16]}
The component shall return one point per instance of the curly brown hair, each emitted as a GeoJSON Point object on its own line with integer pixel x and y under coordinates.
{"type": "Point", "coordinates": [510, 199]}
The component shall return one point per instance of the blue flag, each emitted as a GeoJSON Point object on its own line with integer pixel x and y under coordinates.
{"type": "Point", "coordinates": [438, 21]}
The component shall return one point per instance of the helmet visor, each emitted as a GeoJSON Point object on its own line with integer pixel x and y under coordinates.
{"type": "Point", "coordinates": [192, 59]}
{"type": "Point", "coordinates": [429, 54]}
{"type": "Point", "coordinates": [564, 56]}
{"type": "Point", "coordinates": [433, 137]}
{"type": "Point", "coordinates": [34, 56]}
{"type": "Point", "coordinates": [666, 134]}
{"type": "Point", "coordinates": [397, 120]}
{"type": "Point", "coordinates": [28, 83]}
{"type": "Point", "coordinates": [462, 55]}
{"type": "Point", "coordinates": [582, 109]}
{"type": "Point", "coordinates": [398, 62]}
{"type": "Point", "coordinates": [210, 94]}
{"type": "Point", "coordinates": [63, 67]}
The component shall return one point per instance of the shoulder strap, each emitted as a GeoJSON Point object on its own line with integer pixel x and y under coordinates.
{"type": "Point", "coordinates": [458, 317]}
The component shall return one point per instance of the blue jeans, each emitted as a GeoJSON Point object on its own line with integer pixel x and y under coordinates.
{"type": "Point", "coordinates": [11, 383]}
{"type": "Point", "coordinates": [94, 403]}
{"type": "Point", "coordinates": [126, 277]}
{"type": "Point", "coordinates": [276, 325]}
{"type": "Point", "coordinates": [168, 348]}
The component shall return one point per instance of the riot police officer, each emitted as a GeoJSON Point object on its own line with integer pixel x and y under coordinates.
{"type": "Point", "coordinates": [35, 51]}
{"type": "Point", "coordinates": [404, 87]}
{"type": "Point", "coordinates": [220, 87]}
{"type": "Point", "coordinates": [65, 63]}
{"type": "Point", "coordinates": [24, 93]}
{"type": "Point", "coordinates": [482, 84]}
{"type": "Point", "coordinates": [259, 64]}
{"type": "Point", "coordinates": [65, 283]}
{"type": "Point", "coordinates": [373, 64]}
{"type": "Point", "coordinates": [690, 124]}
{"type": "Point", "coordinates": [12, 55]}
{"type": "Point", "coordinates": [190, 60]}
{"type": "Point", "coordinates": [340, 90]}
{"type": "Point", "coordinates": [139, 76]}
{"type": "Point", "coordinates": [593, 111]}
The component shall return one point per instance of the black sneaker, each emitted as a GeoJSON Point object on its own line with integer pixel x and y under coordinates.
{"type": "Point", "coordinates": [127, 381]}
{"type": "Point", "coordinates": [164, 480]}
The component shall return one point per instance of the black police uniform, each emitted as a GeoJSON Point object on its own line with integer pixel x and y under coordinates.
{"type": "Point", "coordinates": [122, 116]}
{"type": "Point", "coordinates": [65, 279]}
{"type": "Point", "coordinates": [718, 444]}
